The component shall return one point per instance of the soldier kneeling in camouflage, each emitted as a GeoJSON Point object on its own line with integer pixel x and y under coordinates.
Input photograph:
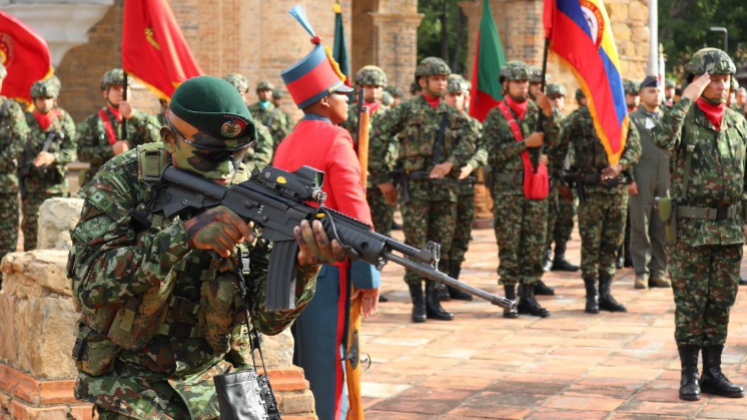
{"type": "Point", "coordinates": [705, 221]}
{"type": "Point", "coordinates": [161, 315]}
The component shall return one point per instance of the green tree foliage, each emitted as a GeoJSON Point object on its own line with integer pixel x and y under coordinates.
{"type": "Point", "coordinates": [443, 32]}
{"type": "Point", "coordinates": [684, 27]}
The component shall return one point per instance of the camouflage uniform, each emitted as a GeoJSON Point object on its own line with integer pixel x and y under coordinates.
{"type": "Point", "coordinates": [260, 152]}
{"type": "Point", "coordinates": [92, 142]}
{"type": "Point", "coordinates": [601, 214]}
{"type": "Point", "coordinates": [271, 116]}
{"type": "Point", "coordinates": [13, 133]}
{"type": "Point", "coordinates": [430, 215]}
{"type": "Point", "coordinates": [520, 223]}
{"type": "Point", "coordinates": [51, 181]}
{"type": "Point", "coordinates": [709, 176]}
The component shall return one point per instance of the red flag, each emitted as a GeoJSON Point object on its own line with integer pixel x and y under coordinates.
{"type": "Point", "coordinates": [26, 56]}
{"type": "Point", "coordinates": [154, 50]}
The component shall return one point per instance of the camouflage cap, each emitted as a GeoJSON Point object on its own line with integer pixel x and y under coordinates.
{"type": "Point", "coordinates": [580, 94]}
{"type": "Point", "coordinates": [556, 89]}
{"type": "Point", "coordinates": [456, 84]}
{"type": "Point", "coordinates": [265, 86]}
{"type": "Point", "coordinates": [514, 70]}
{"type": "Point", "coordinates": [631, 87]}
{"type": "Point", "coordinates": [711, 60]}
{"type": "Point", "coordinates": [3, 71]}
{"type": "Point", "coordinates": [113, 77]}
{"type": "Point", "coordinates": [734, 84]}
{"type": "Point", "coordinates": [535, 75]}
{"type": "Point", "coordinates": [238, 81]}
{"type": "Point", "coordinates": [395, 91]}
{"type": "Point", "coordinates": [370, 76]}
{"type": "Point", "coordinates": [48, 88]}
{"type": "Point", "coordinates": [432, 66]}
{"type": "Point", "coordinates": [670, 83]}
{"type": "Point", "coordinates": [386, 99]}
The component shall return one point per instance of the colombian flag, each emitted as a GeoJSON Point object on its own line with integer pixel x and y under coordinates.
{"type": "Point", "coordinates": [581, 35]}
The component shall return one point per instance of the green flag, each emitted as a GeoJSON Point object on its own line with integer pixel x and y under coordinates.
{"type": "Point", "coordinates": [340, 48]}
{"type": "Point", "coordinates": [489, 58]}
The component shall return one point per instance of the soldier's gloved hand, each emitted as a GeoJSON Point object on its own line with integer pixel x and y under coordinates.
{"type": "Point", "coordinates": [390, 193]}
{"type": "Point", "coordinates": [696, 88]}
{"type": "Point", "coordinates": [315, 246]}
{"type": "Point", "coordinates": [218, 229]}
{"type": "Point", "coordinates": [465, 171]}
{"type": "Point", "coordinates": [535, 140]}
{"type": "Point", "coordinates": [611, 172]}
{"type": "Point", "coordinates": [44, 159]}
{"type": "Point", "coordinates": [120, 146]}
{"type": "Point", "coordinates": [441, 170]}
{"type": "Point", "coordinates": [633, 188]}
{"type": "Point", "coordinates": [565, 193]}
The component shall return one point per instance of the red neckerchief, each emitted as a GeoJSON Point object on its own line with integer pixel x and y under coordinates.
{"type": "Point", "coordinates": [116, 113]}
{"type": "Point", "coordinates": [433, 101]}
{"type": "Point", "coordinates": [714, 113]}
{"type": "Point", "coordinates": [519, 108]}
{"type": "Point", "coordinates": [45, 120]}
{"type": "Point", "coordinates": [372, 106]}
{"type": "Point", "coordinates": [631, 109]}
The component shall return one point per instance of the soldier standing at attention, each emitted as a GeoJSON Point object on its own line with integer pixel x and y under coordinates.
{"type": "Point", "coordinates": [561, 211]}
{"type": "Point", "coordinates": [43, 172]}
{"type": "Point", "coordinates": [633, 101]}
{"type": "Point", "coordinates": [13, 133]}
{"type": "Point", "coordinates": [603, 203]}
{"type": "Point", "coordinates": [519, 210]}
{"type": "Point", "coordinates": [277, 100]}
{"type": "Point", "coordinates": [669, 90]}
{"type": "Point", "coordinates": [268, 114]}
{"type": "Point", "coordinates": [535, 81]}
{"type": "Point", "coordinates": [396, 93]}
{"type": "Point", "coordinates": [456, 92]}
{"type": "Point", "coordinates": [260, 152]}
{"type": "Point", "coordinates": [651, 179]}
{"type": "Point", "coordinates": [99, 137]}
{"type": "Point", "coordinates": [163, 366]}
{"type": "Point", "coordinates": [707, 141]}
{"type": "Point", "coordinates": [434, 139]}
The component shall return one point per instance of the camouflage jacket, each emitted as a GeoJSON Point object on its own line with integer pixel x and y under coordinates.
{"type": "Point", "coordinates": [114, 260]}
{"type": "Point", "coordinates": [717, 172]}
{"type": "Point", "coordinates": [273, 118]}
{"type": "Point", "coordinates": [53, 178]}
{"type": "Point", "coordinates": [477, 160]}
{"type": "Point", "coordinates": [505, 152]}
{"type": "Point", "coordinates": [557, 154]}
{"type": "Point", "coordinates": [351, 124]}
{"type": "Point", "coordinates": [13, 133]}
{"type": "Point", "coordinates": [590, 156]}
{"type": "Point", "coordinates": [93, 142]}
{"type": "Point", "coordinates": [260, 152]}
{"type": "Point", "coordinates": [414, 126]}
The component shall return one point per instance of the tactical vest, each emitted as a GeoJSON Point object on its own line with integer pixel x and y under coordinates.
{"type": "Point", "coordinates": [103, 332]}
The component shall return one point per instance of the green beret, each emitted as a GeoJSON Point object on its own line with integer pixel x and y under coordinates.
{"type": "Point", "coordinates": [215, 107]}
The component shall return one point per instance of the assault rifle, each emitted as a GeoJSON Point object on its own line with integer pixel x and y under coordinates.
{"type": "Point", "coordinates": [276, 201]}
{"type": "Point", "coordinates": [26, 171]}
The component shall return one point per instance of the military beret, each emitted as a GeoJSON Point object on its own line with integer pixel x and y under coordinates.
{"type": "Point", "coordinates": [650, 81]}
{"type": "Point", "coordinates": [215, 107]}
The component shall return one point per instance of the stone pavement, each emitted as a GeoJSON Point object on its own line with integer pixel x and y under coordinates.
{"type": "Point", "coordinates": [571, 365]}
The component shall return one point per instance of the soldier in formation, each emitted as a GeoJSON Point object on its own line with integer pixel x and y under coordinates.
{"type": "Point", "coordinates": [267, 113]}
{"type": "Point", "coordinates": [669, 89]}
{"type": "Point", "coordinates": [434, 139]}
{"type": "Point", "coordinates": [158, 360]}
{"type": "Point", "coordinates": [396, 93]}
{"type": "Point", "coordinates": [520, 210]}
{"type": "Point", "coordinates": [49, 148]}
{"type": "Point", "coordinates": [706, 218]}
{"type": "Point", "coordinates": [99, 137]}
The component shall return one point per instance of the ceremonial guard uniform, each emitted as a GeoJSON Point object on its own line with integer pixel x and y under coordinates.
{"type": "Point", "coordinates": [51, 132]}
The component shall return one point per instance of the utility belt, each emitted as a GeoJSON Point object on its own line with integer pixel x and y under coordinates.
{"type": "Point", "coordinates": [669, 212]}
{"type": "Point", "coordinates": [581, 179]}
{"type": "Point", "coordinates": [403, 178]}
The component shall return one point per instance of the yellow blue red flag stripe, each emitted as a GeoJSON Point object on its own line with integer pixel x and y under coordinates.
{"type": "Point", "coordinates": [581, 35]}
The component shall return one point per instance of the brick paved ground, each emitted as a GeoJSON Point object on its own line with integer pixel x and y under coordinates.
{"type": "Point", "coordinates": [569, 366]}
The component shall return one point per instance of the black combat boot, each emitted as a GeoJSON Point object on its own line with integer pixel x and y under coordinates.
{"type": "Point", "coordinates": [606, 301]}
{"type": "Point", "coordinates": [383, 298]}
{"type": "Point", "coordinates": [559, 263]}
{"type": "Point", "coordinates": [528, 305]}
{"type": "Point", "coordinates": [510, 292]}
{"type": "Point", "coordinates": [547, 266]}
{"type": "Point", "coordinates": [455, 293]}
{"type": "Point", "coordinates": [541, 289]}
{"type": "Point", "coordinates": [418, 302]}
{"type": "Point", "coordinates": [742, 281]}
{"type": "Point", "coordinates": [689, 386]}
{"type": "Point", "coordinates": [713, 380]}
{"type": "Point", "coordinates": [592, 296]}
{"type": "Point", "coordinates": [433, 307]}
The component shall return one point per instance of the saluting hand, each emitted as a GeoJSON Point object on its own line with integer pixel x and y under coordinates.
{"type": "Point", "coordinates": [696, 88]}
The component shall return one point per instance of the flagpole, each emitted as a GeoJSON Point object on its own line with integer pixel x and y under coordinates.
{"type": "Point", "coordinates": [123, 135]}
{"type": "Point", "coordinates": [535, 152]}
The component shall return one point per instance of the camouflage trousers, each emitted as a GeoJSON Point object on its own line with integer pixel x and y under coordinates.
{"type": "Point", "coordinates": [463, 230]}
{"type": "Point", "coordinates": [559, 218]}
{"type": "Point", "coordinates": [382, 213]}
{"type": "Point", "coordinates": [521, 230]}
{"type": "Point", "coordinates": [8, 224]}
{"type": "Point", "coordinates": [704, 282]}
{"type": "Point", "coordinates": [601, 223]}
{"type": "Point", "coordinates": [424, 221]}
{"type": "Point", "coordinates": [30, 223]}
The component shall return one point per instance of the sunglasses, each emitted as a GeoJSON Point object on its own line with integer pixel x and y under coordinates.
{"type": "Point", "coordinates": [211, 154]}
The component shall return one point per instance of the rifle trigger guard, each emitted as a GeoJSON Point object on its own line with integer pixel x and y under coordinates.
{"type": "Point", "coordinates": [434, 249]}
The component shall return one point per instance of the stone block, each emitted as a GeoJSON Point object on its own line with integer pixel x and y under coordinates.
{"type": "Point", "coordinates": [9, 342]}
{"type": "Point", "coordinates": [57, 392]}
{"type": "Point", "coordinates": [21, 411]}
{"type": "Point", "coordinates": [35, 274]}
{"type": "Point", "coordinates": [638, 11]}
{"type": "Point", "coordinates": [52, 323]}
{"type": "Point", "coordinates": [57, 216]}
{"type": "Point", "coordinates": [278, 350]}
{"type": "Point", "coordinates": [641, 35]}
{"type": "Point", "coordinates": [296, 403]}
{"type": "Point", "coordinates": [617, 11]}
{"type": "Point", "coordinates": [81, 412]}
{"type": "Point", "coordinates": [622, 32]}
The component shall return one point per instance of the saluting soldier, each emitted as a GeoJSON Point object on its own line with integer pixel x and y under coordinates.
{"type": "Point", "coordinates": [99, 137]}
{"type": "Point", "coordinates": [49, 148]}
{"type": "Point", "coordinates": [434, 139]}
{"type": "Point", "coordinates": [707, 141]}
{"type": "Point", "coordinates": [266, 112]}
